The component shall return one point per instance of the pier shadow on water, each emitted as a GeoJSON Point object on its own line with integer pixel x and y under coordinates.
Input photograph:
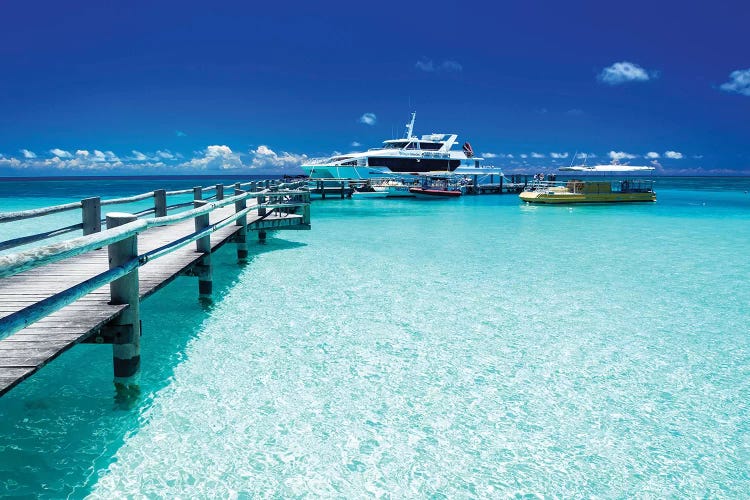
{"type": "Point", "coordinates": [63, 426]}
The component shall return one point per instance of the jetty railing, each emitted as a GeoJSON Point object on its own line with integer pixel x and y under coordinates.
{"type": "Point", "coordinates": [271, 200]}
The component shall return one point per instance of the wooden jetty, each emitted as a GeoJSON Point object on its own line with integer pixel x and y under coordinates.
{"type": "Point", "coordinates": [54, 296]}
{"type": "Point", "coordinates": [335, 188]}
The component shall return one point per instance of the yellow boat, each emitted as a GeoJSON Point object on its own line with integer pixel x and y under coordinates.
{"type": "Point", "coordinates": [598, 191]}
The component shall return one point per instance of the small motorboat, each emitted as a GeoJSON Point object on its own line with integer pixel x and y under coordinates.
{"type": "Point", "coordinates": [370, 192]}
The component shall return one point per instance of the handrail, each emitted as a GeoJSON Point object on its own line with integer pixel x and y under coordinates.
{"type": "Point", "coordinates": [37, 212]}
{"type": "Point", "coordinates": [12, 264]}
{"type": "Point", "coordinates": [24, 240]}
{"type": "Point", "coordinates": [40, 212]}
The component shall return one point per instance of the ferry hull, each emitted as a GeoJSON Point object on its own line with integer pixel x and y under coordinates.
{"type": "Point", "coordinates": [556, 198]}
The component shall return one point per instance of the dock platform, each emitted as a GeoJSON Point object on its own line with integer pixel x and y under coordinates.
{"type": "Point", "coordinates": [56, 296]}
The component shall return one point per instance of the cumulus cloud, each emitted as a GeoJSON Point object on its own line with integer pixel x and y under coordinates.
{"type": "Point", "coordinates": [537, 155]}
{"type": "Point", "coordinates": [620, 155]}
{"type": "Point", "coordinates": [138, 156]}
{"type": "Point", "coordinates": [623, 72]}
{"type": "Point", "coordinates": [355, 144]}
{"type": "Point", "coordinates": [558, 155]}
{"type": "Point", "coordinates": [430, 66]}
{"type": "Point", "coordinates": [216, 157]}
{"type": "Point", "coordinates": [674, 155]}
{"type": "Point", "coordinates": [524, 155]}
{"type": "Point", "coordinates": [739, 82]}
{"type": "Point", "coordinates": [368, 119]}
{"type": "Point", "coordinates": [60, 153]}
{"type": "Point", "coordinates": [652, 155]}
{"type": "Point", "coordinates": [265, 157]}
{"type": "Point", "coordinates": [490, 155]}
{"type": "Point", "coordinates": [28, 154]}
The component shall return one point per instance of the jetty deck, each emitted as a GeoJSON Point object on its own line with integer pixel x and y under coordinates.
{"type": "Point", "coordinates": [55, 304]}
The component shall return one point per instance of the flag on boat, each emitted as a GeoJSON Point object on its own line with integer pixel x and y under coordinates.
{"type": "Point", "coordinates": [467, 149]}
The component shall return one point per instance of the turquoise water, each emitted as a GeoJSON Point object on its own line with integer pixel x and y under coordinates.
{"type": "Point", "coordinates": [463, 348]}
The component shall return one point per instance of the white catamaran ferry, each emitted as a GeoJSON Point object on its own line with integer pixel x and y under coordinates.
{"type": "Point", "coordinates": [402, 157]}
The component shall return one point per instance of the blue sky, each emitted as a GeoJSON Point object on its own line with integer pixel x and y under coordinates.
{"type": "Point", "coordinates": [173, 87]}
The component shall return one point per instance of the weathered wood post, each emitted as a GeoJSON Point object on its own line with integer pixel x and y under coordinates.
{"type": "Point", "coordinates": [91, 215]}
{"type": "Point", "coordinates": [342, 190]}
{"type": "Point", "coordinates": [160, 203]}
{"type": "Point", "coordinates": [323, 189]}
{"type": "Point", "coordinates": [261, 214]}
{"type": "Point", "coordinates": [219, 192]}
{"type": "Point", "coordinates": [241, 236]}
{"type": "Point", "coordinates": [126, 345]}
{"type": "Point", "coordinates": [252, 186]}
{"type": "Point", "coordinates": [203, 245]}
{"type": "Point", "coordinates": [268, 183]}
{"type": "Point", "coordinates": [306, 208]}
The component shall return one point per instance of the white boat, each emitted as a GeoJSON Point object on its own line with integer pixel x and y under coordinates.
{"type": "Point", "coordinates": [409, 156]}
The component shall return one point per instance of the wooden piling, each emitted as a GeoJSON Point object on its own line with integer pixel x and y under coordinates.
{"type": "Point", "coordinates": [91, 215]}
{"type": "Point", "coordinates": [219, 192]}
{"type": "Point", "coordinates": [126, 344]}
{"type": "Point", "coordinates": [160, 203]}
{"type": "Point", "coordinates": [241, 237]}
{"type": "Point", "coordinates": [203, 245]}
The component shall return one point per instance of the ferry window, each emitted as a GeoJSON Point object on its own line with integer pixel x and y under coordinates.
{"type": "Point", "coordinates": [430, 146]}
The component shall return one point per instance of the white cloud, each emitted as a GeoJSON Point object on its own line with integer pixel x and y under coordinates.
{"type": "Point", "coordinates": [28, 154]}
{"type": "Point", "coordinates": [537, 155]}
{"type": "Point", "coordinates": [623, 72]}
{"type": "Point", "coordinates": [451, 66]}
{"type": "Point", "coordinates": [368, 119]}
{"type": "Point", "coordinates": [674, 155]}
{"type": "Point", "coordinates": [524, 155]}
{"type": "Point", "coordinates": [165, 154]}
{"type": "Point", "coordinates": [582, 156]}
{"type": "Point", "coordinates": [652, 155]}
{"type": "Point", "coordinates": [138, 156]}
{"type": "Point", "coordinates": [739, 82]}
{"type": "Point", "coordinates": [559, 155]}
{"type": "Point", "coordinates": [214, 157]}
{"type": "Point", "coordinates": [355, 144]}
{"type": "Point", "coordinates": [620, 155]}
{"type": "Point", "coordinates": [82, 152]}
{"type": "Point", "coordinates": [447, 66]}
{"type": "Point", "coordinates": [60, 153]}
{"type": "Point", "coordinates": [425, 65]}
{"type": "Point", "coordinates": [490, 155]}
{"type": "Point", "coordinates": [265, 157]}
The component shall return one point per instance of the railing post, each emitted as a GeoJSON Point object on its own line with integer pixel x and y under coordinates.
{"type": "Point", "coordinates": [203, 245]}
{"type": "Point", "coordinates": [126, 346]}
{"type": "Point", "coordinates": [268, 183]}
{"type": "Point", "coordinates": [91, 215]}
{"type": "Point", "coordinates": [252, 186]}
{"type": "Point", "coordinates": [342, 190]}
{"type": "Point", "coordinates": [160, 203]}
{"type": "Point", "coordinates": [241, 236]}
{"type": "Point", "coordinates": [219, 192]}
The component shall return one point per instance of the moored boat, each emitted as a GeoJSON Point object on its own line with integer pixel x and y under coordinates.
{"type": "Point", "coordinates": [592, 191]}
